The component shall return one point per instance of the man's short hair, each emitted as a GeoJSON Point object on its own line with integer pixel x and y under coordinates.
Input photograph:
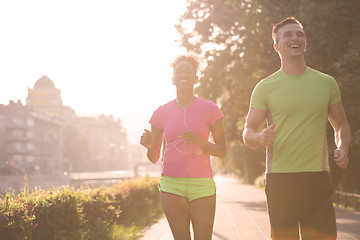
{"type": "Point", "coordinates": [279, 25]}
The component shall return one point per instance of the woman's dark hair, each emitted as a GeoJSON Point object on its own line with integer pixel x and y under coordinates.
{"type": "Point", "coordinates": [190, 58]}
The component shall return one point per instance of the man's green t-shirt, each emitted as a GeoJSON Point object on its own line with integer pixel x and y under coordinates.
{"type": "Point", "coordinates": [298, 105]}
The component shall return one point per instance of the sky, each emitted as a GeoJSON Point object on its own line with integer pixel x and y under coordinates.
{"type": "Point", "coordinates": [107, 57]}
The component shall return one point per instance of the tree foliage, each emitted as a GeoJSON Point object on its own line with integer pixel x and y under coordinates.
{"type": "Point", "coordinates": [234, 36]}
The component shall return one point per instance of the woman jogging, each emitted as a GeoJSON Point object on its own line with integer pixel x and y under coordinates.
{"type": "Point", "coordinates": [187, 188]}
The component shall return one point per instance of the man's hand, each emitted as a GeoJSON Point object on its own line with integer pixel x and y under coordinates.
{"type": "Point", "coordinates": [267, 136]}
{"type": "Point", "coordinates": [340, 158]}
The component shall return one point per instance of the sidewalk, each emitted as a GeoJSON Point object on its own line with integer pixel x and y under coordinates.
{"type": "Point", "coordinates": [241, 215]}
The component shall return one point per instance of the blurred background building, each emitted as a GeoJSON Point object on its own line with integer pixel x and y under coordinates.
{"type": "Point", "coordinates": [44, 137]}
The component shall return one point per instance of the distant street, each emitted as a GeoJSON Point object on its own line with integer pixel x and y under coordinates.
{"type": "Point", "coordinates": [111, 177]}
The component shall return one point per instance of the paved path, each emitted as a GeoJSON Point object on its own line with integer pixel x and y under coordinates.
{"type": "Point", "coordinates": [241, 215]}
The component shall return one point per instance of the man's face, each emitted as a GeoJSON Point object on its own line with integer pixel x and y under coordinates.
{"type": "Point", "coordinates": [291, 41]}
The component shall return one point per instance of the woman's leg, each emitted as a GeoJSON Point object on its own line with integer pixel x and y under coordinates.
{"type": "Point", "coordinates": [202, 212]}
{"type": "Point", "coordinates": [176, 209]}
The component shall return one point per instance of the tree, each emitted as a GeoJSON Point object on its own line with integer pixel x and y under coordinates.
{"type": "Point", "coordinates": [234, 36]}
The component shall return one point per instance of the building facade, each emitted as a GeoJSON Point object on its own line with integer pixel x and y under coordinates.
{"type": "Point", "coordinates": [30, 142]}
{"type": "Point", "coordinates": [45, 97]}
{"type": "Point", "coordinates": [107, 141]}
{"type": "Point", "coordinates": [34, 139]}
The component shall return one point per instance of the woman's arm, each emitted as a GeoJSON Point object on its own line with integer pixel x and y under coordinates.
{"type": "Point", "coordinates": [218, 148]}
{"type": "Point", "coordinates": [152, 141]}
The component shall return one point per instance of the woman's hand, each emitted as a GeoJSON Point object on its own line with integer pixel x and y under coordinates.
{"type": "Point", "coordinates": [218, 148]}
{"type": "Point", "coordinates": [152, 140]}
{"type": "Point", "coordinates": [146, 139]}
{"type": "Point", "coordinates": [192, 138]}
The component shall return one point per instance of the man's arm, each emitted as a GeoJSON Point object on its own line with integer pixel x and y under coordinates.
{"type": "Point", "coordinates": [338, 120]}
{"type": "Point", "coordinates": [252, 136]}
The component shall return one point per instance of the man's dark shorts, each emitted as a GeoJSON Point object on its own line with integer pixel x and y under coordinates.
{"type": "Point", "coordinates": [300, 200]}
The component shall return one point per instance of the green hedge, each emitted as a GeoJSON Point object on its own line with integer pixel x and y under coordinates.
{"type": "Point", "coordinates": [82, 214]}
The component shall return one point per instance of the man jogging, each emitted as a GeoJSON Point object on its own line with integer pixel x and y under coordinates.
{"type": "Point", "coordinates": [296, 102]}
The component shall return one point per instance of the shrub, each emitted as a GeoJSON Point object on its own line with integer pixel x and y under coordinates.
{"type": "Point", "coordinates": [83, 214]}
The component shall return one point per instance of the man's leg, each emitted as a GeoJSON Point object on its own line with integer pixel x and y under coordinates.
{"type": "Point", "coordinates": [283, 208]}
{"type": "Point", "coordinates": [318, 217]}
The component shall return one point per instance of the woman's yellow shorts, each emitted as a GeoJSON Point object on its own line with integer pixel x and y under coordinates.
{"type": "Point", "coordinates": [189, 188]}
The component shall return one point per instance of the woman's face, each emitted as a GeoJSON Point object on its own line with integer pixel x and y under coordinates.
{"type": "Point", "coordinates": [184, 75]}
